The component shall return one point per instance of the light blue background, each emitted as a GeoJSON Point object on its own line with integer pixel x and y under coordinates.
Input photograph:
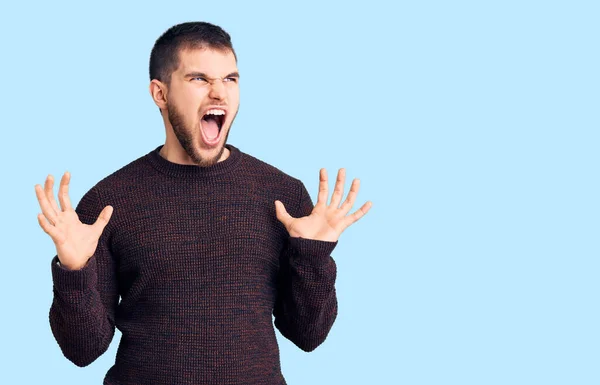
{"type": "Point", "coordinates": [472, 125]}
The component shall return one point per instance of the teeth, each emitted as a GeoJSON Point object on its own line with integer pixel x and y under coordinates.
{"type": "Point", "coordinates": [215, 112]}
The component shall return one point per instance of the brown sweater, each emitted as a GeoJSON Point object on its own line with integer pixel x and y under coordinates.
{"type": "Point", "coordinates": [201, 265]}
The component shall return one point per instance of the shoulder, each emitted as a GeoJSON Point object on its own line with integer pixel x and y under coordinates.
{"type": "Point", "coordinates": [126, 177]}
{"type": "Point", "coordinates": [273, 183]}
{"type": "Point", "coordinates": [261, 170]}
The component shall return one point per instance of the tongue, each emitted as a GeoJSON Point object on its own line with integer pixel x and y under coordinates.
{"type": "Point", "coordinates": [211, 130]}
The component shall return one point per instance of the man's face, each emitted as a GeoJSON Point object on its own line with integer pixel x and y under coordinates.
{"type": "Point", "coordinates": [202, 101]}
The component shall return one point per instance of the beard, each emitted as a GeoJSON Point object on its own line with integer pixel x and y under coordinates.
{"type": "Point", "coordinates": [186, 138]}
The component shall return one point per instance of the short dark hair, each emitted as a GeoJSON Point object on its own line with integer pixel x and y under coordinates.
{"type": "Point", "coordinates": [164, 58]}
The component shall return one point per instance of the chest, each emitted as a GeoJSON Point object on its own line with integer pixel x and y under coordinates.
{"type": "Point", "coordinates": [216, 238]}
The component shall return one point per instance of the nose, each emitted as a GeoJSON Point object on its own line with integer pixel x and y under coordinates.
{"type": "Point", "coordinates": [217, 90]}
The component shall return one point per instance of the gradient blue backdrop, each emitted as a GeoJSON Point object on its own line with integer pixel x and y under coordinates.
{"type": "Point", "coordinates": [472, 125]}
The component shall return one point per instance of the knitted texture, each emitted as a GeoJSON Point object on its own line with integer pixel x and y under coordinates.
{"type": "Point", "coordinates": [201, 264]}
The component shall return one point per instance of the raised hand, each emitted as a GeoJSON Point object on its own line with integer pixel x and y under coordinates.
{"type": "Point", "coordinates": [75, 241]}
{"type": "Point", "coordinates": [325, 223]}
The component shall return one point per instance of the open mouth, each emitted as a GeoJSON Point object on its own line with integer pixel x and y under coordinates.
{"type": "Point", "coordinates": [212, 122]}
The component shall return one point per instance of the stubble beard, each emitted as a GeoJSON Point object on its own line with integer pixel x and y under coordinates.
{"type": "Point", "coordinates": [186, 140]}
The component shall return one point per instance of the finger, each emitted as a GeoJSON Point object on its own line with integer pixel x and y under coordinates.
{"type": "Point", "coordinates": [63, 191]}
{"type": "Point", "coordinates": [103, 219]}
{"type": "Point", "coordinates": [49, 191]}
{"type": "Point", "coordinates": [282, 214]}
{"type": "Point", "coordinates": [349, 202]}
{"type": "Point", "coordinates": [350, 219]}
{"type": "Point", "coordinates": [47, 227]}
{"type": "Point", "coordinates": [47, 209]}
{"type": "Point", "coordinates": [338, 191]}
{"type": "Point", "coordinates": [323, 190]}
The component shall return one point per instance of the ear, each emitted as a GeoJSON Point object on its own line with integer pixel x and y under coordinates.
{"type": "Point", "coordinates": [158, 91]}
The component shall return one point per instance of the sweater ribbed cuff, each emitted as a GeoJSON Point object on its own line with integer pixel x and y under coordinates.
{"type": "Point", "coordinates": [311, 251]}
{"type": "Point", "coordinates": [68, 280]}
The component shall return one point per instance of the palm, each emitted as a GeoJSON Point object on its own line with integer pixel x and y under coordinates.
{"type": "Point", "coordinates": [74, 238]}
{"type": "Point", "coordinates": [75, 241]}
{"type": "Point", "coordinates": [325, 222]}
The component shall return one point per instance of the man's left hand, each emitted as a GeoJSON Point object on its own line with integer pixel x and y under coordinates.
{"type": "Point", "coordinates": [325, 223]}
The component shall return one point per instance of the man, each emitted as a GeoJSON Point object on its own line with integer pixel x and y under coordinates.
{"type": "Point", "coordinates": [205, 243]}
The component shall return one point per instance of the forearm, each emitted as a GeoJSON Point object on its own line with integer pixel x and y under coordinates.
{"type": "Point", "coordinates": [79, 319]}
{"type": "Point", "coordinates": [308, 305]}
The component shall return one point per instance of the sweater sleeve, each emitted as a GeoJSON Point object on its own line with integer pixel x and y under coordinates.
{"type": "Point", "coordinates": [306, 304]}
{"type": "Point", "coordinates": [82, 314]}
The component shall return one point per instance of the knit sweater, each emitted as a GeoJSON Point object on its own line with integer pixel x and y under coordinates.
{"type": "Point", "coordinates": [201, 265]}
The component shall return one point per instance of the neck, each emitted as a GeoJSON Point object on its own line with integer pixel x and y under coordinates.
{"type": "Point", "coordinates": [162, 163]}
{"type": "Point", "coordinates": [176, 154]}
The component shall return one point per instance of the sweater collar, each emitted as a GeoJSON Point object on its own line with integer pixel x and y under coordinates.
{"type": "Point", "coordinates": [191, 171]}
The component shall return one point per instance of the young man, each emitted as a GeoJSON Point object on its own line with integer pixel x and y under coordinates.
{"type": "Point", "coordinates": [202, 242]}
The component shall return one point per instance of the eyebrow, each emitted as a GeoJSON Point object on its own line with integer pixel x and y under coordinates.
{"type": "Point", "coordinates": [203, 75]}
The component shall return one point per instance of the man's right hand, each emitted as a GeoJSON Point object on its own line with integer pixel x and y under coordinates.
{"type": "Point", "coordinates": [75, 241]}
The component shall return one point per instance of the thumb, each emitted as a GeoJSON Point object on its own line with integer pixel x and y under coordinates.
{"type": "Point", "coordinates": [103, 219]}
{"type": "Point", "coordinates": [282, 214]}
